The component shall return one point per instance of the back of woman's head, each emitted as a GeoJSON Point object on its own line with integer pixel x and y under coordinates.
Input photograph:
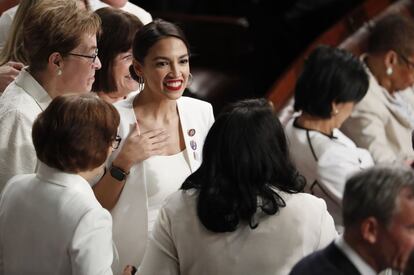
{"type": "Point", "coordinates": [55, 26]}
{"type": "Point", "coordinates": [330, 75]}
{"type": "Point", "coordinates": [245, 162]}
{"type": "Point", "coordinates": [393, 32]}
{"type": "Point", "coordinates": [75, 132]}
{"type": "Point", "coordinates": [118, 31]}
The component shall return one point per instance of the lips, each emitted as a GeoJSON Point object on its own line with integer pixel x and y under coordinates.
{"type": "Point", "coordinates": [173, 85]}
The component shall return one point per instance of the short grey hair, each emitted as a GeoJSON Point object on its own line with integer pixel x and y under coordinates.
{"type": "Point", "coordinates": [373, 193]}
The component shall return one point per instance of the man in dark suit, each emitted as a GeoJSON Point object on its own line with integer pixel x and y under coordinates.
{"type": "Point", "coordinates": [378, 215]}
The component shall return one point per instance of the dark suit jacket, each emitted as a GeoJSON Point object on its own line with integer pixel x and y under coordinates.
{"type": "Point", "coordinates": [328, 261]}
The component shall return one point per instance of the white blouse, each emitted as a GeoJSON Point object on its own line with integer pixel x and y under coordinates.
{"type": "Point", "coordinates": [164, 175]}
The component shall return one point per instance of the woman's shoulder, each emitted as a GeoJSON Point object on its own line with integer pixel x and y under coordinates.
{"type": "Point", "coordinates": [193, 103]}
{"type": "Point", "coordinates": [303, 204]}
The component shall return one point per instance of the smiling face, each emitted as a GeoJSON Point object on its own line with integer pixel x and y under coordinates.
{"type": "Point", "coordinates": [165, 68]}
{"type": "Point", "coordinates": [77, 71]}
{"type": "Point", "coordinates": [123, 80]}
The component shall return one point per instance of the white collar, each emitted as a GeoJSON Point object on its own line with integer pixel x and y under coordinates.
{"type": "Point", "coordinates": [354, 257]}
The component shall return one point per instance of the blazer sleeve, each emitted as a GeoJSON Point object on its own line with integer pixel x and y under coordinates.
{"type": "Point", "coordinates": [91, 249]}
{"type": "Point", "coordinates": [328, 231]}
{"type": "Point", "coordinates": [161, 255]}
{"type": "Point", "coordinates": [367, 130]}
{"type": "Point", "coordinates": [16, 146]}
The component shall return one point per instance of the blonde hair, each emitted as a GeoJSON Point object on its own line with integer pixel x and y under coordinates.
{"type": "Point", "coordinates": [13, 48]}
{"type": "Point", "coordinates": [55, 26]}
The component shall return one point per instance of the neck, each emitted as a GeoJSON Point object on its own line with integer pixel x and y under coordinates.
{"type": "Point", "coordinates": [91, 174]}
{"type": "Point", "coordinates": [362, 248]}
{"type": "Point", "coordinates": [48, 83]}
{"type": "Point", "coordinates": [159, 108]}
{"type": "Point", "coordinates": [375, 63]}
{"type": "Point", "coordinates": [323, 125]}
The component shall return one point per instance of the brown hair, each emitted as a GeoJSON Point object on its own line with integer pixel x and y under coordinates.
{"type": "Point", "coordinates": [118, 31]}
{"type": "Point", "coordinates": [393, 32]}
{"type": "Point", "coordinates": [55, 26]}
{"type": "Point", "coordinates": [74, 133]}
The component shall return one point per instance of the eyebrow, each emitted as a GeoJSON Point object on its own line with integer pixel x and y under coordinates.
{"type": "Point", "coordinates": [166, 58]}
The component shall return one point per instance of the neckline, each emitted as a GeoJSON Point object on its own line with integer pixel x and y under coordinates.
{"type": "Point", "coordinates": [296, 125]}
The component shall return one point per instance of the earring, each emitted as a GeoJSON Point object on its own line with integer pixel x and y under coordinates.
{"type": "Point", "coordinates": [389, 71]}
{"type": "Point", "coordinates": [190, 80]}
{"type": "Point", "coordinates": [335, 112]}
{"type": "Point", "coordinates": [141, 83]}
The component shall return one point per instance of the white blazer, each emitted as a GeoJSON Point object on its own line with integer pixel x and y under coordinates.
{"type": "Point", "coordinates": [130, 217]}
{"type": "Point", "coordinates": [182, 245]}
{"type": "Point", "coordinates": [51, 223]}
{"type": "Point", "coordinates": [326, 162]}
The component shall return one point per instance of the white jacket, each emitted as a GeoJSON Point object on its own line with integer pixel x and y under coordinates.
{"type": "Point", "coordinates": [130, 219]}
{"type": "Point", "coordinates": [51, 223]}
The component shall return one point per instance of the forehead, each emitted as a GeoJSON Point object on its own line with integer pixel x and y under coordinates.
{"type": "Point", "coordinates": [169, 47]}
{"type": "Point", "coordinates": [87, 42]}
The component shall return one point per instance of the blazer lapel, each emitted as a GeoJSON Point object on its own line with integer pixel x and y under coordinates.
{"type": "Point", "coordinates": [190, 134]}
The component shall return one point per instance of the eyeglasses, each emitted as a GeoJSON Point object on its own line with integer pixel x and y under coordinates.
{"type": "Point", "coordinates": [116, 142]}
{"type": "Point", "coordinates": [93, 56]}
{"type": "Point", "coordinates": [409, 63]}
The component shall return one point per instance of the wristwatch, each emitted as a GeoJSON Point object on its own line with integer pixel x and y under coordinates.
{"type": "Point", "coordinates": [117, 173]}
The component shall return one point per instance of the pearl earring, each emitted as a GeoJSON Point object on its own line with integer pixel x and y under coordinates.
{"type": "Point", "coordinates": [389, 71]}
{"type": "Point", "coordinates": [59, 71]}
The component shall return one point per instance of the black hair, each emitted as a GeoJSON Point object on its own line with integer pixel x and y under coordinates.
{"type": "Point", "coordinates": [245, 163]}
{"type": "Point", "coordinates": [330, 75]}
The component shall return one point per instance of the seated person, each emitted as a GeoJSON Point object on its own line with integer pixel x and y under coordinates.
{"type": "Point", "coordinates": [50, 221]}
{"type": "Point", "coordinates": [113, 82]}
{"type": "Point", "coordinates": [382, 122]}
{"type": "Point", "coordinates": [378, 214]}
{"type": "Point", "coordinates": [242, 211]}
{"type": "Point", "coordinates": [331, 83]}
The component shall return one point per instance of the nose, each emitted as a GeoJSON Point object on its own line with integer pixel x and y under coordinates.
{"type": "Point", "coordinates": [97, 64]}
{"type": "Point", "coordinates": [175, 72]}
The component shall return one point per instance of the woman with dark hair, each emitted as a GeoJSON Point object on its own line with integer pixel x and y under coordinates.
{"type": "Point", "coordinates": [113, 82]}
{"type": "Point", "coordinates": [382, 122]}
{"type": "Point", "coordinates": [242, 211]}
{"type": "Point", "coordinates": [331, 83]}
{"type": "Point", "coordinates": [162, 137]}
{"type": "Point", "coordinates": [50, 221]}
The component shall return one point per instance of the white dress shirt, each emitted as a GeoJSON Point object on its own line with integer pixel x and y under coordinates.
{"type": "Point", "coordinates": [22, 101]}
{"type": "Point", "coordinates": [51, 223]}
{"type": "Point", "coordinates": [180, 244]}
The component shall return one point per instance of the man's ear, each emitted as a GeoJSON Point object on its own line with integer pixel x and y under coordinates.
{"type": "Point", "coordinates": [370, 229]}
{"type": "Point", "coordinates": [55, 60]}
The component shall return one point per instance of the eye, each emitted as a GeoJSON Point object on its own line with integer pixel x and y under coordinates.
{"type": "Point", "coordinates": [184, 61]}
{"type": "Point", "coordinates": [127, 57]}
{"type": "Point", "coordinates": [161, 63]}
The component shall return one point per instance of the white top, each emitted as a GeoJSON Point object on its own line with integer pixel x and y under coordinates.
{"type": "Point", "coordinates": [354, 257]}
{"type": "Point", "coordinates": [6, 20]}
{"type": "Point", "coordinates": [144, 16]}
{"type": "Point", "coordinates": [130, 214]}
{"type": "Point", "coordinates": [51, 223]}
{"type": "Point", "coordinates": [164, 176]}
{"type": "Point", "coordinates": [180, 244]}
{"type": "Point", "coordinates": [381, 126]}
{"type": "Point", "coordinates": [22, 101]}
{"type": "Point", "coordinates": [336, 159]}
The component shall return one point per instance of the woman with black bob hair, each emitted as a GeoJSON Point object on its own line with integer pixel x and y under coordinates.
{"type": "Point", "coordinates": [247, 187]}
{"type": "Point", "coordinates": [331, 83]}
